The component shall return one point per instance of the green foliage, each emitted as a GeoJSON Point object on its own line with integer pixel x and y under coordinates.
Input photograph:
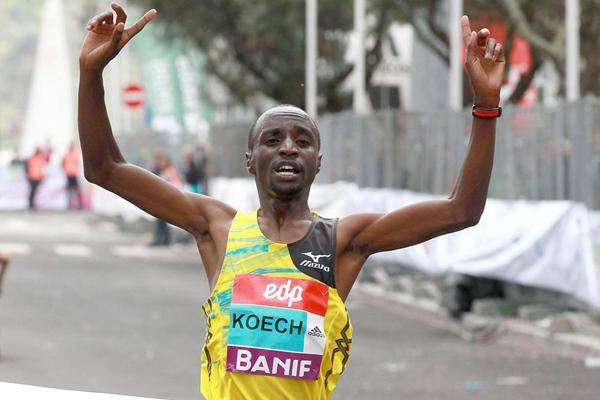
{"type": "Point", "coordinates": [542, 24]}
{"type": "Point", "coordinates": [258, 47]}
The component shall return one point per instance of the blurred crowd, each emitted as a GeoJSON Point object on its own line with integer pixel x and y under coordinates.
{"type": "Point", "coordinates": [35, 166]}
{"type": "Point", "coordinates": [188, 172]}
{"type": "Point", "coordinates": [194, 176]}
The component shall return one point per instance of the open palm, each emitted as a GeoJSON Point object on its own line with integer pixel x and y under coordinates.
{"type": "Point", "coordinates": [107, 36]}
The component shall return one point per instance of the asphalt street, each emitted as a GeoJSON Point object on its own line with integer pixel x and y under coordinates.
{"type": "Point", "coordinates": [88, 307]}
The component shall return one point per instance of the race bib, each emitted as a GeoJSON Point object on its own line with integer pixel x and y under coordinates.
{"type": "Point", "coordinates": [276, 326]}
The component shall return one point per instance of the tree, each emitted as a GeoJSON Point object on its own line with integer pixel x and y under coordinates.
{"type": "Point", "coordinates": [541, 24]}
{"type": "Point", "coordinates": [430, 23]}
{"type": "Point", "coordinates": [258, 47]}
{"type": "Point", "coordinates": [544, 29]}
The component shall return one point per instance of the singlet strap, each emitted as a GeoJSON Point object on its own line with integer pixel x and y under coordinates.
{"type": "Point", "coordinates": [315, 254]}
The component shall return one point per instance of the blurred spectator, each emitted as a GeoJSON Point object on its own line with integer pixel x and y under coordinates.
{"type": "Point", "coordinates": [195, 174]}
{"type": "Point", "coordinates": [4, 259]}
{"type": "Point", "coordinates": [71, 165]}
{"type": "Point", "coordinates": [47, 152]}
{"type": "Point", "coordinates": [204, 161]}
{"type": "Point", "coordinates": [36, 164]}
{"type": "Point", "coordinates": [166, 170]}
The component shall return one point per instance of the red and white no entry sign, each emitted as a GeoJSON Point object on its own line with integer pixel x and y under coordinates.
{"type": "Point", "coordinates": [133, 95]}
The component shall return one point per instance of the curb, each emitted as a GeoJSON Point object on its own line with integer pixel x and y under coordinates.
{"type": "Point", "coordinates": [504, 331]}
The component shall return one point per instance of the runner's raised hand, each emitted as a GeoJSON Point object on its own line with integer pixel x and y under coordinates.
{"type": "Point", "coordinates": [107, 35]}
{"type": "Point", "coordinates": [484, 64]}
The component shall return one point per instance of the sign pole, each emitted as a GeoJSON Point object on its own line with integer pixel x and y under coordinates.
{"type": "Point", "coordinates": [455, 78]}
{"type": "Point", "coordinates": [310, 86]}
{"type": "Point", "coordinates": [572, 24]}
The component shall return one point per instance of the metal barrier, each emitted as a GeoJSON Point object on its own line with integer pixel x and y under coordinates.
{"type": "Point", "coordinates": [541, 152]}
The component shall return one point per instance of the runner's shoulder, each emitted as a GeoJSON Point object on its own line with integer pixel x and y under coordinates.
{"type": "Point", "coordinates": [216, 215]}
{"type": "Point", "coordinates": [352, 225]}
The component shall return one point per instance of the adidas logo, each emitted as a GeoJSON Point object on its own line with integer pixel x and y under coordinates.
{"type": "Point", "coordinates": [316, 332]}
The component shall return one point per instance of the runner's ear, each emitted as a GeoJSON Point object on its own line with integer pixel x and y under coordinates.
{"type": "Point", "coordinates": [249, 163]}
{"type": "Point", "coordinates": [319, 162]}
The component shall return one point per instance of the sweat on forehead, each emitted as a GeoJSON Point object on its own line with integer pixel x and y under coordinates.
{"type": "Point", "coordinates": [281, 111]}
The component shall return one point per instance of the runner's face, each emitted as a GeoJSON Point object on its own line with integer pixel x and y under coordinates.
{"type": "Point", "coordinates": [285, 157]}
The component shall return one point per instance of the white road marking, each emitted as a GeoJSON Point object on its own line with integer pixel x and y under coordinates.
{"type": "Point", "coordinates": [49, 226]}
{"type": "Point", "coordinates": [16, 391]}
{"type": "Point", "coordinates": [132, 251]}
{"type": "Point", "coordinates": [15, 248]}
{"type": "Point", "coordinates": [174, 254]}
{"type": "Point", "coordinates": [592, 362]}
{"type": "Point", "coordinates": [15, 224]}
{"type": "Point", "coordinates": [512, 380]}
{"type": "Point", "coordinates": [72, 250]}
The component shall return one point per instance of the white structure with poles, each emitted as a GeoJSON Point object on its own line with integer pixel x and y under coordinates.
{"type": "Point", "coordinates": [310, 85]}
{"type": "Point", "coordinates": [360, 100]}
{"type": "Point", "coordinates": [572, 24]}
{"type": "Point", "coordinates": [455, 80]}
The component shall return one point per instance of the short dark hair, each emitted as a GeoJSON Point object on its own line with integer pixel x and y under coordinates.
{"type": "Point", "coordinates": [255, 128]}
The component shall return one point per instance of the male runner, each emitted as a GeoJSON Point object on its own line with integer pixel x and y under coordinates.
{"type": "Point", "coordinates": [277, 327]}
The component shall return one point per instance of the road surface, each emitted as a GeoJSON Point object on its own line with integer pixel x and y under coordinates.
{"type": "Point", "coordinates": [88, 307]}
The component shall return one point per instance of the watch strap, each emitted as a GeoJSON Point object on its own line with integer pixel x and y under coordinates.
{"type": "Point", "coordinates": [486, 112]}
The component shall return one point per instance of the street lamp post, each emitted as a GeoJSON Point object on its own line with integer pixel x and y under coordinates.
{"type": "Point", "coordinates": [360, 102]}
{"type": "Point", "coordinates": [310, 86]}
{"type": "Point", "coordinates": [455, 83]}
{"type": "Point", "coordinates": [572, 23]}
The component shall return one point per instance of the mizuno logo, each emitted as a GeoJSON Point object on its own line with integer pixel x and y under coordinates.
{"type": "Point", "coordinates": [316, 257]}
{"type": "Point", "coordinates": [316, 332]}
{"type": "Point", "coordinates": [310, 264]}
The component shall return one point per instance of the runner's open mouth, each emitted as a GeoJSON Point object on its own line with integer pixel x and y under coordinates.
{"type": "Point", "coordinates": [287, 170]}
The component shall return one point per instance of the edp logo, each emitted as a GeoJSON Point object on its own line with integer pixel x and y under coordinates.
{"type": "Point", "coordinates": [284, 292]}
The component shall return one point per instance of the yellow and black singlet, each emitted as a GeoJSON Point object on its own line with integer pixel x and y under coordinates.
{"type": "Point", "coordinates": [276, 326]}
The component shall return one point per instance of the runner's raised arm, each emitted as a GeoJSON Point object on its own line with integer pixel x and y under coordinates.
{"type": "Point", "coordinates": [206, 218]}
{"type": "Point", "coordinates": [277, 326]}
{"type": "Point", "coordinates": [361, 235]}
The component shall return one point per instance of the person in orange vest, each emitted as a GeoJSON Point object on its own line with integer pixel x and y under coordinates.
{"type": "Point", "coordinates": [36, 164]}
{"type": "Point", "coordinates": [71, 165]}
{"type": "Point", "coordinates": [166, 170]}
